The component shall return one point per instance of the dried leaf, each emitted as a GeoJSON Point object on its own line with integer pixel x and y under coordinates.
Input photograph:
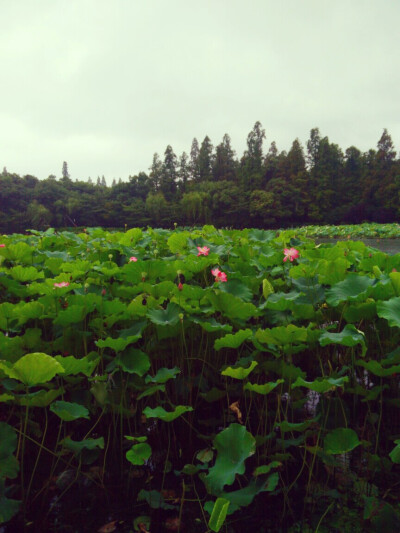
{"type": "Point", "coordinates": [235, 408]}
{"type": "Point", "coordinates": [108, 528]}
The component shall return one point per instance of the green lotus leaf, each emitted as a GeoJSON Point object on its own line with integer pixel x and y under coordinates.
{"type": "Point", "coordinates": [395, 453]}
{"type": "Point", "coordinates": [151, 390]}
{"type": "Point", "coordinates": [350, 336]}
{"type": "Point", "coordinates": [41, 398]}
{"type": "Point", "coordinates": [6, 397]}
{"type": "Point", "coordinates": [9, 467]}
{"type": "Point", "coordinates": [8, 440]}
{"type": "Point", "coordinates": [134, 361]}
{"type": "Point", "coordinates": [139, 453]}
{"type": "Point", "coordinates": [321, 385]}
{"type": "Point", "coordinates": [377, 369]}
{"type": "Point", "coordinates": [353, 289]}
{"type": "Point", "coordinates": [234, 445]}
{"type": "Point", "coordinates": [210, 324]}
{"type": "Point", "coordinates": [390, 310]}
{"type": "Point", "coordinates": [239, 372]}
{"type": "Point", "coordinates": [24, 274]}
{"type": "Point", "coordinates": [244, 497]}
{"type": "Point", "coordinates": [231, 306]}
{"type": "Point", "coordinates": [362, 311]}
{"type": "Point", "coordinates": [177, 242]}
{"type": "Point", "coordinates": [340, 440]}
{"type": "Point", "coordinates": [69, 411]}
{"type": "Point", "coordinates": [281, 301]}
{"type": "Point", "coordinates": [263, 389]}
{"type": "Point", "coordinates": [6, 313]}
{"type": "Point", "coordinates": [162, 291]}
{"type": "Point", "coordinates": [118, 344]}
{"type": "Point", "coordinates": [72, 315]}
{"type": "Point", "coordinates": [233, 341]}
{"type": "Point", "coordinates": [165, 317]}
{"type": "Point", "coordinates": [29, 310]}
{"type": "Point", "coordinates": [286, 426]}
{"type": "Point", "coordinates": [20, 252]}
{"type": "Point", "coordinates": [131, 237]}
{"type": "Point", "coordinates": [86, 444]}
{"type": "Point", "coordinates": [166, 416]}
{"type": "Point", "coordinates": [139, 309]}
{"type": "Point", "coordinates": [163, 375]}
{"type": "Point", "coordinates": [218, 514]}
{"type": "Point", "coordinates": [213, 395]}
{"type": "Point", "coordinates": [395, 279]}
{"type": "Point", "coordinates": [265, 469]}
{"type": "Point", "coordinates": [113, 307]}
{"type": "Point", "coordinates": [282, 335]}
{"type": "Point", "coordinates": [330, 272]}
{"type": "Point", "coordinates": [73, 366]}
{"type": "Point", "coordinates": [127, 336]}
{"type": "Point", "coordinates": [237, 288]}
{"type": "Point", "coordinates": [33, 368]}
{"type": "Point", "coordinates": [8, 507]}
{"type": "Point", "coordinates": [261, 235]}
{"type": "Point", "coordinates": [267, 288]}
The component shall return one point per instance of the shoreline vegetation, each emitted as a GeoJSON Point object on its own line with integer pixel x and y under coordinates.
{"type": "Point", "coordinates": [199, 380]}
{"type": "Point", "coordinates": [321, 184]}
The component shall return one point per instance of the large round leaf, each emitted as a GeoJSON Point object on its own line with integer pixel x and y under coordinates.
{"type": "Point", "coordinates": [390, 310]}
{"type": "Point", "coordinates": [33, 368]}
{"type": "Point", "coordinates": [69, 411]}
{"type": "Point", "coordinates": [234, 445]}
{"type": "Point", "coordinates": [341, 440]}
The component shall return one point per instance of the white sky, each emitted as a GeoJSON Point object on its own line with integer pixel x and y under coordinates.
{"type": "Point", "coordinates": [103, 84]}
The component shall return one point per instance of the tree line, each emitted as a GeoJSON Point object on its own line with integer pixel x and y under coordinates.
{"type": "Point", "coordinates": [264, 188]}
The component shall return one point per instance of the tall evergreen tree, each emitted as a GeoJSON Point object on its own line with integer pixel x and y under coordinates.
{"type": "Point", "coordinates": [64, 171]}
{"type": "Point", "coordinates": [194, 161]}
{"type": "Point", "coordinates": [183, 172]}
{"type": "Point", "coordinates": [155, 173]}
{"type": "Point", "coordinates": [206, 159]}
{"type": "Point", "coordinates": [224, 167]}
{"type": "Point", "coordinates": [169, 174]}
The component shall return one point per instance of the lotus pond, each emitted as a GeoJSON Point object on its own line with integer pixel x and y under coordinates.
{"type": "Point", "coordinates": [197, 381]}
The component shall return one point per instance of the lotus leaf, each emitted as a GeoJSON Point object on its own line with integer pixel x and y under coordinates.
{"type": "Point", "coordinates": [340, 440]}
{"type": "Point", "coordinates": [350, 336]}
{"type": "Point", "coordinates": [139, 453]}
{"type": "Point", "coordinates": [263, 389]}
{"type": "Point", "coordinates": [166, 416]}
{"type": "Point", "coordinates": [233, 341]}
{"type": "Point", "coordinates": [234, 445]}
{"type": "Point", "coordinates": [33, 369]}
{"type": "Point", "coordinates": [69, 411]}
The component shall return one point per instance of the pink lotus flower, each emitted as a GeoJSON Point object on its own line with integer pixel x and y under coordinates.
{"type": "Point", "coordinates": [219, 276]}
{"type": "Point", "coordinates": [203, 250]}
{"type": "Point", "coordinates": [61, 284]}
{"type": "Point", "coordinates": [133, 259]}
{"type": "Point", "coordinates": [291, 254]}
{"type": "Point", "coordinates": [2, 245]}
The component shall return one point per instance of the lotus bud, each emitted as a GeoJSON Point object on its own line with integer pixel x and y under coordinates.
{"type": "Point", "coordinates": [181, 317]}
{"type": "Point", "coordinates": [110, 256]}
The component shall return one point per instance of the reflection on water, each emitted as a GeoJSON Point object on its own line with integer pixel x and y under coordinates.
{"type": "Point", "coordinates": [389, 246]}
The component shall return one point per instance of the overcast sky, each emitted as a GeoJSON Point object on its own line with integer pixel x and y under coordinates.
{"type": "Point", "coordinates": [103, 84]}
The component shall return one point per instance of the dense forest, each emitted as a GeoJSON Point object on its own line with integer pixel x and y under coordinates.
{"type": "Point", "coordinates": [264, 188]}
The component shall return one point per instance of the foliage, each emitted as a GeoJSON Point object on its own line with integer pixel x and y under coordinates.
{"type": "Point", "coordinates": [195, 400]}
{"type": "Point", "coordinates": [277, 189]}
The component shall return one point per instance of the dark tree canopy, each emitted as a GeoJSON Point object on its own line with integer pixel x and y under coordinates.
{"type": "Point", "coordinates": [323, 184]}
